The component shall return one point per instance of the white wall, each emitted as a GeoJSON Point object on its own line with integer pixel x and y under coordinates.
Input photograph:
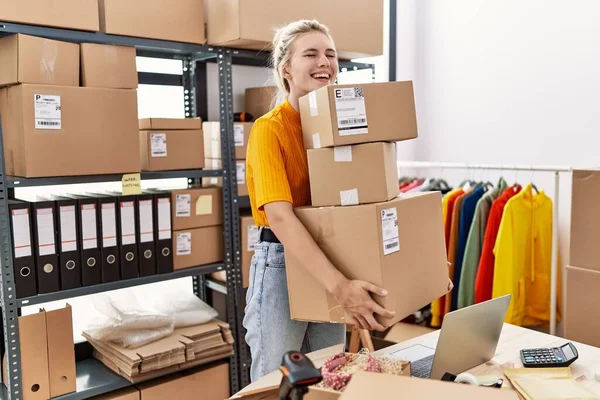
{"type": "Point", "coordinates": [508, 82]}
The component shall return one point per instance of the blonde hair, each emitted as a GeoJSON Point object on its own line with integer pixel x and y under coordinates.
{"type": "Point", "coordinates": [282, 45]}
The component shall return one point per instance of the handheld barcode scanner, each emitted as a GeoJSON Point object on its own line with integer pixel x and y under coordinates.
{"type": "Point", "coordinates": [298, 374]}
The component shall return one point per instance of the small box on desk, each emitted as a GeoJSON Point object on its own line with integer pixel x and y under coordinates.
{"type": "Point", "coordinates": [582, 314]}
{"type": "Point", "coordinates": [199, 246]}
{"type": "Point", "coordinates": [108, 66]}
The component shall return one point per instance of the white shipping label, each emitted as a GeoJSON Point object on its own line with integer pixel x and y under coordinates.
{"type": "Point", "coordinates": [253, 236]}
{"type": "Point", "coordinates": [342, 154]}
{"type": "Point", "coordinates": [184, 244]}
{"type": "Point", "coordinates": [89, 229]}
{"type": "Point", "coordinates": [127, 223]}
{"type": "Point", "coordinates": [238, 135]}
{"type": "Point", "coordinates": [389, 230]}
{"type": "Point", "coordinates": [21, 233]}
{"type": "Point", "coordinates": [158, 144]}
{"type": "Point", "coordinates": [316, 140]}
{"type": "Point", "coordinates": [183, 205]}
{"type": "Point", "coordinates": [164, 218]}
{"type": "Point", "coordinates": [312, 104]}
{"type": "Point", "coordinates": [47, 110]}
{"type": "Point", "coordinates": [109, 225]}
{"type": "Point", "coordinates": [351, 111]}
{"type": "Point", "coordinates": [68, 232]}
{"type": "Point", "coordinates": [349, 197]}
{"type": "Point", "coordinates": [240, 172]}
{"type": "Point", "coordinates": [146, 222]}
{"type": "Point", "coordinates": [45, 231]}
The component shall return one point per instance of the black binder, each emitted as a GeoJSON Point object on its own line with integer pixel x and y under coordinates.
{"type": "Point", "coordinates": [109, 249]}
{"type": "Point", "coordinates": [69, 256]}
{"type": "Point", "coordinates": [146, 227]}
{"type": "Point", "coordinates": [45, 251]}
{"type": "Point", "coordinates": [22, 240]}
{"type": "Point", "coordinates": [127, 232]}
{"type": "Point", "coordinates": [162, 235]}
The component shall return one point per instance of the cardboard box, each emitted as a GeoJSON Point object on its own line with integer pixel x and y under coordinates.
{"type": "Point", "coordinates": [585, 220]}
{"type": "Point", "coordinates": [180, 21]}
{"type": "Point", "coordinates": [404, 331]}
{"type": "Point", "coordinates": [398, 245]}
{"type": "Point", "coordinates": [215, 163]}
{"type": "Point", "coordinates": [356, 25]}
{"type": "Point", "coordinates": [259, 100]}
{"type": "Point", "coordinates": [170, 124]}
{"type": "Point", "coordinates": [249, 239]}
{"type": "Point", "coordinates": [61, 351]}
{"type": "Point", "coordinates": [212, 139]}
{"type": "Point", "coordinates": [582, 315]}
{"type": "Point", "coordinates": [34, 60]}
{"type": "Point", "coordinates": [90, 127]}
{"type": "Point", "coordinates": [170, 150]}
{"type": "Point", "coordinates": [196, 208]}
{"type": "Point", "coordinates": [108, 66]}
{"type": "Point", "coordinates": [70, 14]}
{"type": "Point", "coordinates": [351, 175]}
{"type": "Point", "coordinates": [195, 247]}
{"type": "Point", "coordinates": [129, 393]}
{"type": "Point", "coordinates": [339, 115]}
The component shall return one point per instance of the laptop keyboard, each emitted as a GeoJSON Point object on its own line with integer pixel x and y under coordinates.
{"type": "Point", "coordinates": [422, 368]}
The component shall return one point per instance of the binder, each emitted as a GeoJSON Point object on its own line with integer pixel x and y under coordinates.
{"type": "Point", "coordinates": [23, 259]}
{"type": "Point", "coordinates": [127, 235]}
{"type": "Point", "coordinates": [69, 257]}
{"type": "Point", "coordinates": [145, 234]}
{"type": "Point", "coordinates": [45, 252]}
{"type": "Point", "coordinates": [162, 235]}
{"type": "Point", "coordinates": [108, 234]}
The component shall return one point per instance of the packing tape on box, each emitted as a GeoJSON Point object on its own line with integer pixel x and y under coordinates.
{"type": "Point", "coordinates": [316, 140]}
{"type": "Point", "coordinates": [349, 197]}
{"type": "Point", "coordinates": [325, 224]}
{"type": "Point", "coordinates": [312, 103]}
{"type": "Point", "coordinates": [342, 154]}
{"type": "Point", "coordinates": [49, 54]}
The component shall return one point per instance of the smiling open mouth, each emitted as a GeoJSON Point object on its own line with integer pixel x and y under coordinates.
{"type": "Point", "coordinates": [321, 77]}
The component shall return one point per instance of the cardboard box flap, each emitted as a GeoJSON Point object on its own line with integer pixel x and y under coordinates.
{"type": "Point", "coordinates": [170, 124]}
{"type": "Point", "coordinates": [369, 385]}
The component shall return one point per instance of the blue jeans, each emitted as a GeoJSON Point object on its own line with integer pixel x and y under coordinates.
{"type": "Point", "coordinates": [270, 330]}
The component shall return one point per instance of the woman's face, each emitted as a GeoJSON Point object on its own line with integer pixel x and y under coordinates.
{"type": "Point", "coordinates": [313, 63]}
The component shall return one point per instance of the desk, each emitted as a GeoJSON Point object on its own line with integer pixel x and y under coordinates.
{"type": "Point", "coordinates": [512, 340]}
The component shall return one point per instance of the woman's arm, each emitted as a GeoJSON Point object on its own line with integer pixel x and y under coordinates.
{"type": "Point", "coordinates": [353, 295]}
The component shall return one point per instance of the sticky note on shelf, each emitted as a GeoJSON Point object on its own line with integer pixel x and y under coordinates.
{"type": "Point", "coordinates": [131, 184]}
{"type": "Point", "coordinates": [204, 205]}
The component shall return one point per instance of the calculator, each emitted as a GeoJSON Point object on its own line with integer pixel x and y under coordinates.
{"type": "Point", "coordinates": [549, 357]}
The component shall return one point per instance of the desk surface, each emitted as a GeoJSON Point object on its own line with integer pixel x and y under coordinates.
{"type": "Point", "coordinates": [515, 338]}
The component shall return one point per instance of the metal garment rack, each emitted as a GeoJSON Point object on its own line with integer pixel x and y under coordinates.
{"type": "Point", "coordinates": [511, 167]}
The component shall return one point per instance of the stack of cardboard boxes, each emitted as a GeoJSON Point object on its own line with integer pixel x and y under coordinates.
{"type": "Point", "coordinates": [357, 218]}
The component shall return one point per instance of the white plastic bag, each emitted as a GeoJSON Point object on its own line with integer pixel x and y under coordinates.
{"type": "Point", "coordinates": [184, 306]}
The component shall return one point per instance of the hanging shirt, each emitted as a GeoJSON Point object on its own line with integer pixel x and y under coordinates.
{"type": "Point", "coordinates": [523, 258]}
{"type": "Point", "coordinates": [466, 291]}
{"type": "Point", "coordinates": [466, 219]}
{"type": "Point", "coordinates": [453, 245]}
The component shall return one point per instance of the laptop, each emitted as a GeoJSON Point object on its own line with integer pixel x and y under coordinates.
{"type": "Point", "coordinates": [468, 338]}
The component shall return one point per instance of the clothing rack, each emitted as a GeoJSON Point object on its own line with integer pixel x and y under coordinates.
{"type": "Point", "coordinates": [512, 167]}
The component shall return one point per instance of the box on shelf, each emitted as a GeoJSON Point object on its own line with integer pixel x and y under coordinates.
{"type": "Point", "coordinates": [585, 220]}
{"type": "Point", "coordinates": [70, 14]}
{"type": "Point", "coordinates": [249, 239]}
{"type": "Point", "coordinates": [351, 175]}
{"type": "Point", "coordinates": [259, 100]}
{"type": "Point", "coordinates": [196, 208]}
{"type": "Point", "coordinates": [66, 131]}
{"type": "Point", "coordinates": [171, 150]}
{"type": "Point", "coordinates": [339, 115]}
{"type": "Point", "coordinates": [212, 139]}
{"type": "Point", "coordinates": [398, 245]}
{"type": "Point", "coordinates": [199, 246]}
{"type": "Point", "coordinates": [582, 314]}
{"type": "Point", "coordinates": [180, 21]}
{"type": "Point", "coordinates": [130, 393]}
{"type": "Point", "coordinates": [356, 26]}
{"type": "Point", "coordinates": [35, 60]}
{"type": "Point", "coordinates": [170, 124]}
{"type": "Point", "coordinates": [108, 66]}
{"type": "Point", "coordinates": [215, 163]}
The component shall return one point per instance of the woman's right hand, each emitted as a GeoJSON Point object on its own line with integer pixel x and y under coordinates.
{"type": "Point", "coordinates": [355, 298]}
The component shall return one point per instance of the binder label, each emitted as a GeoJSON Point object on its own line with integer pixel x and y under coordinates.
{"type": "Point", "coordinates": [109, 225]}
{"type": "Point", "coordinates": [164, 218]}
{"type": "Point", "coordinates": [68, 232]}
{"type": "Point", "coordinates": [89, 230]}
{"type": "Point", "coordinates": [21, 233]}
{"type": "Point", "coordinates": [183, 206]}
{"type": "Point", "coordinates": [240, 172]}
{"type": "Point", "coordinates": [351, 111]}
{"type": "Point", "coordinates": [238, 135]}
{"type": "Point", "coordinates": [184, 244]}
{"type": "Point", "coordinates": [45, 231]}
{"type": "Point", "coordinates": [146, 222]}
{"type": "Point", "coordinates": [47, 112]}
{"type": "Point", "coordinates": [158, 144]}
{"type": "Point", "coordinates": [127, 223]}
{"type": "Point", "coordinates": [389, 230]}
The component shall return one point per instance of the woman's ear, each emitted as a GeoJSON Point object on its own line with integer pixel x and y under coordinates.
{"type": "Point", "coordinates": [285, 72]}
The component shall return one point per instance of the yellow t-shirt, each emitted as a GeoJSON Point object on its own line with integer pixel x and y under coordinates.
{"type": "Point", "coordinates": [276, 162]}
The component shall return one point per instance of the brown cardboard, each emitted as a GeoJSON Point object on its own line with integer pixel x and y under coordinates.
{"type": "Point", "coordinates": [585, 220]}
{"type": "Point", "coordinates": [129, 393]}
{"type": "Point", "coordinates": [356, 25]}
{"type": "Point", "coordinates": [196, 208]}
{"type": "Point", "coordinates": [170, 124]}
{"type": "Point", "coordinates": [582, 317]}
{"type": "Point", "coordinates": [249, 238]}
{"type": "Point", "coordinates": [215, 163]}
{"type": "Point", "coordinates": [72, 14]}
{"type": "Point", "coordinates": [259, 100]}
{"type": "Point", "coordinates": [389, 109]}
{"type": "Point", "coordinates": [197, 247]}
{"type": "Point", "coordinates": [61, 351]}
{"type": "Point", "coordinates": [30, 59]}
{"type": "Point", "coordinates": [404, 331]}
{"type": "Point", "coordinates": [108, 66]}
{"type": "Point", "coordinates": [212, 139]}
{"type": "Point", "coordinates": [179, 150]}
{"type": "Point", "coordinates": [414, 274]}
{"type": "Point", "coordinates": [180, 21]}
{"type": "Point", "coordinates": [98, 135]}
{"type": "Point", "coordinates": [351, 175]}
{"type": "Point", "coordinates": [34, 357]}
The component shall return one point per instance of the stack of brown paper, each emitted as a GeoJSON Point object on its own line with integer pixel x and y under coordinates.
{"type": "Point", "coordinates": [184, 348]}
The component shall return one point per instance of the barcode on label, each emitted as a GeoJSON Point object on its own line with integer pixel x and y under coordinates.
{"type": "Point", "coordinates": [49, 123]}
{"type": "Point", "coordinates": [391, 245]}
{"type": "Point", "coordinates": [353, 121]}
